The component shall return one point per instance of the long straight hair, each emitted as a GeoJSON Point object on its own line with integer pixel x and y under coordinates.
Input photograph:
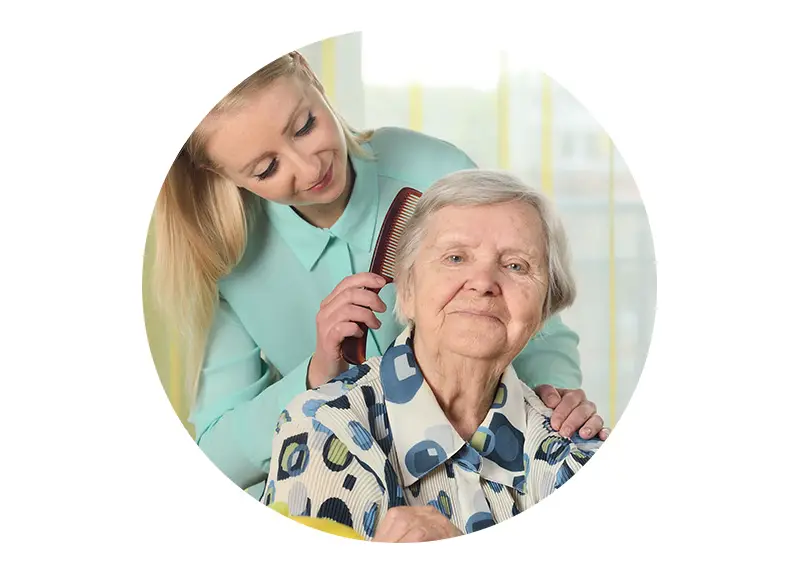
{"type": "Point", "coordinates": [201, 221]}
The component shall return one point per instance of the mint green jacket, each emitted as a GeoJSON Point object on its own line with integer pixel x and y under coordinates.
{"type": "Point", "coordinates": [268, 306]}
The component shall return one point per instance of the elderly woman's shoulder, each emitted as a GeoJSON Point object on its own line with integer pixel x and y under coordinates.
{"type": "Point", "coordinates": [539, 426]}
{"type": "Point", "coordinates": [533, 402]}
{"type": "Point", "coordinates": [400, 150]}
{"type": "Point", "coordinates": [358, 388]}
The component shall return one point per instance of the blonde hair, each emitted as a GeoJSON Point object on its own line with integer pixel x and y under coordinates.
{"type": "Point", "coordinates": [201, 221]}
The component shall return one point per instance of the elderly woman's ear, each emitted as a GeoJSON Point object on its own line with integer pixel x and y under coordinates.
{"type": "Point", "coordinates": [404, 303]}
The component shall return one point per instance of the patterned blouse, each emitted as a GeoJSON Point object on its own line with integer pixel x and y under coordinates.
{"type": "Point", "coordinates": [375, 437]}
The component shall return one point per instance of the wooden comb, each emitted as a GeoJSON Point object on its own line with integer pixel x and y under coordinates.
{"type": "Point", "coordinates": [353, 349]}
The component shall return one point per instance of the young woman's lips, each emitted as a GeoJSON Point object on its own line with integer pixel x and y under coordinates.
{"type": "Point", "coordinates": [322, 184]}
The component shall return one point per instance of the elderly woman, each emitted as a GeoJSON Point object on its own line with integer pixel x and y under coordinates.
{"type": "Point", "coordinates": [439, 437]}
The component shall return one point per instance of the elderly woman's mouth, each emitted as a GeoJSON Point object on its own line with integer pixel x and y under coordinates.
{"type": "Point", "coordinates": [478, 314]}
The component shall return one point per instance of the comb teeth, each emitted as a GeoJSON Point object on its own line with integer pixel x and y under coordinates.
{"type": "Point", "coordinates": [397, 218]}
{"type": "Point", "coordinates": [353, 349]}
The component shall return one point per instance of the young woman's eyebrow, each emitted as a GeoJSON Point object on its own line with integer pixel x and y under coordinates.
{"type": "Point", "coordinates": [250, 165]}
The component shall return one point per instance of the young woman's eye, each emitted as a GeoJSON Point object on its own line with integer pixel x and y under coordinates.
{"type": "Point", "coordinates": [270, 170]}
{"type": "Point", "coordinates": [308, 127]}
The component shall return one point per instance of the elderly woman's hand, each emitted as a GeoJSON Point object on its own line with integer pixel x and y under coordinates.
{"type": "Point", "coordinates": [406, 524]}
{"type": "Point", "coordinates": [339, 316]}
{"type": "Point", "coordinates": [571, 410]}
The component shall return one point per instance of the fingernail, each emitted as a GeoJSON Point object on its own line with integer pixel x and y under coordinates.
{"type": "Point", "coordinates": [585, 433]}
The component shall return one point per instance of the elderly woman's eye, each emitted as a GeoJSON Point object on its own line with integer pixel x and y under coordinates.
{"type": "Point", "coordinates": [455, 258]}
{"type": "Point", "coordinates": [515, 267]}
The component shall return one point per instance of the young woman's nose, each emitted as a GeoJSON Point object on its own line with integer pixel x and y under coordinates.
{"type": "Point", "coordinates": [308, 168]}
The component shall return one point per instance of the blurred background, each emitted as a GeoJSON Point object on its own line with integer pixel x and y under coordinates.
{"type": "Point", "coordinates": [503, 114]}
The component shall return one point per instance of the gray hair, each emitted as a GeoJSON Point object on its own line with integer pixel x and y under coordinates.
{"type": "Point", "coordinates": [477, 187]}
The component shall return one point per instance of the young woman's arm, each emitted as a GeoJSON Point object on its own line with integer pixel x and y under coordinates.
{"type": "Point", "coordinates": [239, 397]}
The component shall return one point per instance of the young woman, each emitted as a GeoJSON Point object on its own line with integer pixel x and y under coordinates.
{"type": "Point", "coordinates": [265, 227]}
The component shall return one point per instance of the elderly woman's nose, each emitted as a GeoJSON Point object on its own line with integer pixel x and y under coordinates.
{"type": "Point", "coordinates": [484, 279]}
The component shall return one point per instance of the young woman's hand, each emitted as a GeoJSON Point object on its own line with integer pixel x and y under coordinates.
{"type": "Point", "coordinates": [406, 524]}
{"type": "Point", "coordinates": [340, 313]}
{"type": "Point", "coordinates": [571, 411]}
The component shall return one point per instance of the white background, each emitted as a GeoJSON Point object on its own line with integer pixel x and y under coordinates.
{"type": "Point", "coordinates": [457, 96]}
{"type": "Point", "coordinates": [99, 472]}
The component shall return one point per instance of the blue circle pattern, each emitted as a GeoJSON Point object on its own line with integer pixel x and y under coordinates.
{"type": "Point", "coordinates": [319, 427]}
{"type": "Point", "coordinates": [293, 457]}
{"type": "Point", "coordinates": [310, 407]}
{"type": "Point", "coordinates": [563, 475]}
{"type": "Point", "coordinates": [282, 419]}
{"type": "Point", "coordinates": [577, 439]}
{"type": "Point", "coordinates": [298, 460]}
{"type": "Point", "coordinates": [378, 420]}
{"type": "Point", "coordinates": [478, 521]}
{"type": "Point", "coordinates": [443, 504]}
{"type": "Point", "coordinates": [423, 457]}
{"type": "Point", "coordinates": [353, 374]}
{"type": "Point", "coordinates": [495, 487]}
{"type": "Point", "coordinates": [360, 436]}
{"type": "Point", "coordinates": [468, 458]}
{"type": "Point", "coordinates": [582, 456]}
{"type": "Point", "coordinates": [270, 493]}
{"type": "Point", "coordinates": [335, 509]}
{"type": "Point", "coordinates": [553, 449]}
{"type": "Point", "coordinates": [501, 442]}
{"type": "Point", "coordinates": [501, 396]}
{"type": "Point", "coordinates": [335, 454]}
{"type": "Point", "coordinates": [521, 486]}
{"type": "Point", "coordinates": [508, 449]}
{"type": "Point", "coordinates": [341, 402]}
{"type": "Point", "coordinates": [379, 415]}
{"type": "Point", "coordinates": [483, 440]}
{"type": "Point", "coordinates": [398, 390]}
{"type": "Point", "coordinates": [393, 487]}
{"type": "Point", "coordinates": [370, 520]}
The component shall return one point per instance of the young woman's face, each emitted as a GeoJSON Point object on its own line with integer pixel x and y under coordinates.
{"type": "Point", "coordinates": [284, 144]}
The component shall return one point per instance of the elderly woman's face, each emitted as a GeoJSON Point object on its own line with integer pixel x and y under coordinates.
{"type": "Point", "coordinates": [479, 280]}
